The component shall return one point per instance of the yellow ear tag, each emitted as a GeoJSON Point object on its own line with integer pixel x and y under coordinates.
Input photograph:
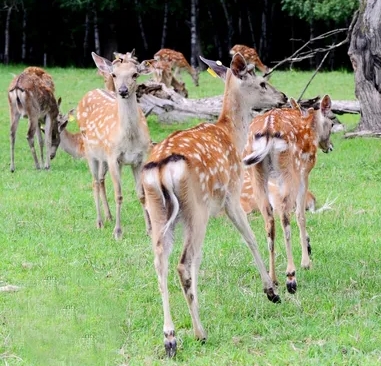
{"type": "Point", "coordinates": [211, 72]}
{"type": "Point", "coordinates": [71, 118]}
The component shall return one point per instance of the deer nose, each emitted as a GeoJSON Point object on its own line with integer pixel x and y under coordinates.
{"type": "Point", "coordinates": [123, 91]}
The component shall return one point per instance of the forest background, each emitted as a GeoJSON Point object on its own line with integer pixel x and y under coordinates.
{"type": "Point", "coordinates": [64, 32]}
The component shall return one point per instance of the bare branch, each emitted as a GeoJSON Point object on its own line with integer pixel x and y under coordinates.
{"type": "Point", "coordinates": [299, 56]}
{"type": "Point", "coordinates": [314, 74]}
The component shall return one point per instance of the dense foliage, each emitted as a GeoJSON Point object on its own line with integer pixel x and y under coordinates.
{"type": "Point", "coordinates": [64, 32]}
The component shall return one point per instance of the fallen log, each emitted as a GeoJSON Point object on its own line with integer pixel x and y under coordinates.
{"type": "Point", "coordinates": [171, 107]}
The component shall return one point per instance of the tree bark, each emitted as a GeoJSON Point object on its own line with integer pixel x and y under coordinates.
{"type": "Point", "coordinates": [7, 34]}
{"type": "Point", "coordinates": [165, 24]}
{"type": "Point", "coordinates": [96, 33]}
{"type": "Point", "coordinates": [365, 55]}
{"type": "Point", "coordinates": [140, 22]}
{"type": "Point", "coordinates": [193, 32]}
{"type": "Point", "coordinates": [229, 24]}
{"type": "Point", "coordinates": [86, 36]}
{"type": "Point", "coordinates": [254, 45]}
{"type": "Point", "coordinates": [23, 40]}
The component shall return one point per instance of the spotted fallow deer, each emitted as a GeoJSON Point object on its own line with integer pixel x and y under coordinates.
{"type": "Point", "coordinates": [282, 146]}
{"type": "Point", "coordinates": [248, 200]}
{"type": "Point", "coordinates": [115, 133]}
{"type": "Point", "coordinates": [178, 61]}
{"type": "Point", "coordinates": [251, 56]}
{"type": "Point", "coordinates": [31, 95]}
{"type": "Point", "coordinates": [195, 173]}
{"type": "Point", "coordinates": [162, 73]}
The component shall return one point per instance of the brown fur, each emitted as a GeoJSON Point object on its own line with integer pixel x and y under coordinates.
{"type": "Point", "coordinates": [31, 95]}
{"type": "Point", "coordinates": [192, 175]}
{"type": "Point", "coordinates": [250, 55]}
{"type": "Point", "coordinates": [282, 146]}
{"type": "Point", "coordinates": [178, 62]}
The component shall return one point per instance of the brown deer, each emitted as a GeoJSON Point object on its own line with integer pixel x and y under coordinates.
{"type": "Point", "coordinates": [250, 55]}
{"type": "Point", "coordinates": [248, 200]}
{"type": "Point", "coordinates": [162, 72]}
{"type": "Point", "coordinates": [195, 173]}
{"type": "Point", "coordinates": [31, 95]}
{"type": "Point", "coordinates": [282, 146]}
{"type": "Point", "coordinates": [179, 62]}
{"type": "Point", "coordinates": [114, 132]}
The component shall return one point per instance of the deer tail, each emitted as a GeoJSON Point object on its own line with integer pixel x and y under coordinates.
{"type": "Point", "coordinates": [259, 150]}
{"type": "Point", "coordinates": [163, 179]}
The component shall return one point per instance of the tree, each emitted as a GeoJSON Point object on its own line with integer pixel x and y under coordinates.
{"type": "Point", "coordinates": [365, 55]}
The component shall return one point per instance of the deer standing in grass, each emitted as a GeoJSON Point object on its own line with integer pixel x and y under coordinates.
{"type": "Point", "coordinates": [31, 95]}
{"type": "Point", "coordinates": [195, 173]}
{"type": "Point", "coordinates": [114, 132]}
{"type": "Point", "coordinates": [250, 55]}
{"type": "Point", "coordinates": [282, 146]}
{"type": "Point", "coordinates": [179, 62]}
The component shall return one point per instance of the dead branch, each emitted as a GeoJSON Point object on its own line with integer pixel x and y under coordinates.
{"type": "Point", "coordinates": [299, 56]}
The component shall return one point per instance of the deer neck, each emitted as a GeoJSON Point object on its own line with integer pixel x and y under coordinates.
{"type": "Point", "coordinates": [72, 144]}
{"type": "Point", "coordinates": [128, 113]}
{"type": "Point", "coordinates": [235, 115]}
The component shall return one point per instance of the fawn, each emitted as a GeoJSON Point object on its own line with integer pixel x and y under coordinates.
{"type": "Point", "coordinates": [282, 146]}
{"type": "Point", "coordinates": [31, 95]}
{"type": "Point", "coordinates": [192, 175]}
{"type": "Point", "coordinates": [250, 55]}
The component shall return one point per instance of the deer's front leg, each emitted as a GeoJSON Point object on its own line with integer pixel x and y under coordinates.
{"type": "Point", "coordinates": [33, 124]}
{"type": "Point", "coordinates": [115, 170]}
{"type": "Point", "coordinates": [48, 142]}
{"type": "Point", "coordinates": [94, 168]}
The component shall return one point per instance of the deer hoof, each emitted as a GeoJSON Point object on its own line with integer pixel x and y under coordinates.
{"type": "Point", "coordinates": [170, 345]}
{"type": "Point", "coordinates": [291, 285]}
{"type": "Point", "coordinates": [272, 296]}
{"type": "Point", "coordinates": [117, 233]}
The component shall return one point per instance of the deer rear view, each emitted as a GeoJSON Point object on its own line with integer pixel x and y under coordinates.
{"type": "Point", "coordinates": [31, 95]}
{"type": "Point", "coordinates": [282, 146]}
{"type": "Point", "coordinates": [195, 173]}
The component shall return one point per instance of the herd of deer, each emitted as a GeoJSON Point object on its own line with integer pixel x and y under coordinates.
{"type": "Point", "coordinates": [236, 164]}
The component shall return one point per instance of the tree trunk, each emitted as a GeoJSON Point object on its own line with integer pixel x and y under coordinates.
{"type": "Point", "coordinates": [229, 24]}
{"type": "Point", "coordinates": [23, 40]}
{"type": "Point", "coordinates": [365, 55]}
{"type": "Point", "coordinates": [216, 40]}
{"type": "Point", "coordinates": [7, 35]}
{"type": "Point", "coordinates": [96, 33]}
{"type": "Point", "coordinates": [263, 49]}
{"type": "Point", "coordinates": [193, 31]}
{"type": "Point", "coordinates": [86, 37]}
{"type": "Point", "coordinates": [140, 22]}
{"type": "Point", "coordinates": [165, 24]}
{"type": "Point", "coordinates": [254, 45]}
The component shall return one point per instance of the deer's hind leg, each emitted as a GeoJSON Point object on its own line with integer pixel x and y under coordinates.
{"type": "Point", "coordinates": [33, 125]}
{"type": "Point", "coordinates": [195, 223]}
{"type": "Point", "coordinates": [238, 217]}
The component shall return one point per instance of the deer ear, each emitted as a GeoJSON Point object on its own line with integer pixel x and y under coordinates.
{"type": "Point", "coordinates": [144, 68]}
{"type": "Point", "coordinates": [102, 63]}
{"type": "Point", "coordinates": [238, 65]}
{"type": "Point", "coordinates": [216, 66]}
{"type": "Point", "coordinates": [295, 105]}
{"type": "Point", "coordinates": [59, 102]}
{"type": "Point", "coordinates": [325, 105]}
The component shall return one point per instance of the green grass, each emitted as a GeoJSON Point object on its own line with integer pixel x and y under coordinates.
{"type": "Point", "coordinates": [86, 299]}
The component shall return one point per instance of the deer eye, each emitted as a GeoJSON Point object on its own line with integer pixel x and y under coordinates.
{"type": "Point", "coordinates": [113, 75]}
{"type": "Point", "coordinates": [135, 76]}
{"type": "Point", "coordinates": [263, 85]}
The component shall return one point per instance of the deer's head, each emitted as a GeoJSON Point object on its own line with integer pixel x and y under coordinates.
{"type": "Point", "coordinates": [124, 73]}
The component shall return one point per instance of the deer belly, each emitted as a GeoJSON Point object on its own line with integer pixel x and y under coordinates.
{"type": "Point", "coordinates": [131, 157]}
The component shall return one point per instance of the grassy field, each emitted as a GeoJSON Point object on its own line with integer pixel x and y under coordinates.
{"type": "Point", "coordinates": [86, 299]}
